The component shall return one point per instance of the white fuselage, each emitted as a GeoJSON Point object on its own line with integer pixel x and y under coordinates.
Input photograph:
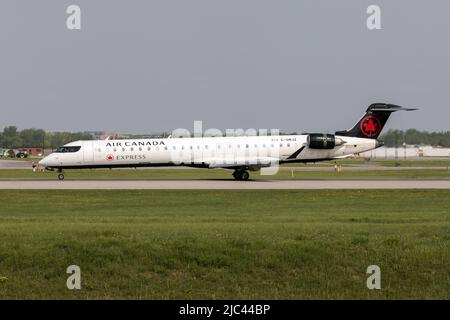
{"type": "Point", "coordinates": [251, 152]}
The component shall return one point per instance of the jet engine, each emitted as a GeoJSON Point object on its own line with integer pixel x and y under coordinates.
{"type": "Point", "coordinates": [323, 141]}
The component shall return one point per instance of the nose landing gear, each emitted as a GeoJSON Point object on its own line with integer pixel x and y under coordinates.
{"type": "Point", "coordinates": [241, 175]}
{"type": "Point", "coordinates": [61, 175]}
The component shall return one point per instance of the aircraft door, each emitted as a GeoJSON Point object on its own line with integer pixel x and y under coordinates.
{"type": "Point", "coordinates": [88, 151]}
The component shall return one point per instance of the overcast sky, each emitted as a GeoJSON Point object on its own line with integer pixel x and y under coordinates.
{"type": "Point", "coordinates": [149, 66]}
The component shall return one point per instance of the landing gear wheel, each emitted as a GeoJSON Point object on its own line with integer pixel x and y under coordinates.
{"type": "Point", "coordinates": [241, 175]}
{"type": "Point", "coordinates": [244, 175]}
{"type": "Point", "coordinates": [61, 176]}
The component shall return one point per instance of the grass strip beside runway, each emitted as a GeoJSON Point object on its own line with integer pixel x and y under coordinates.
{"type": "Point", "coordinates": [225, 244]}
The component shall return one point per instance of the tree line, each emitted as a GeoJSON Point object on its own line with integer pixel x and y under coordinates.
{"type": "Point", "coordinates": [396, 138]}
{"type": "Point", "coordinates": [12, 138]}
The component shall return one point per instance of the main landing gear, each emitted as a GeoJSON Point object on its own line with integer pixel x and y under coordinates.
{"type": "Point", "coordinates": [241, 175]}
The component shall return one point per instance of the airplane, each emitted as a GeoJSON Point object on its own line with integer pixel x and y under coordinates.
{"type": "Point", "coordinates": [238, 153]}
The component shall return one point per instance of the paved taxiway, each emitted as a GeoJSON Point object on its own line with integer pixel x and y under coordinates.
{"type": "Point", "coordinates": [15, 164]}
{"type": "Point", "coordinates": [223, 184]}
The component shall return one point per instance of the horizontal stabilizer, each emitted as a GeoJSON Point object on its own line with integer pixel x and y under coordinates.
{"type": "Point", "coordinates": [388, 108]}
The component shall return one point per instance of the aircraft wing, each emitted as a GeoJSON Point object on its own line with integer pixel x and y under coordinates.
{"type": "Point", "coordinates": [251, 162]}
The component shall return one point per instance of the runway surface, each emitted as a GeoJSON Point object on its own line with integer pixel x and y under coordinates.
{"type": "Point", "coordinates": [223, 184]}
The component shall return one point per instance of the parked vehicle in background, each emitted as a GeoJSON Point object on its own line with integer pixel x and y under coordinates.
{"type": "Point", "coordinates": [8, 153]}
{"type": "Point", "coordinates": [2, 151]}
{"type": "Point", "coordinates": [13, 153]}
{"type": "Point", "coordinates": [32, 151]}
{"type": "Point", "coordinates": [20, 154]}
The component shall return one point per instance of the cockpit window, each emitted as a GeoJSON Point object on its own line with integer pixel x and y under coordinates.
{"type": "Point", "coordinates": [68, 149]}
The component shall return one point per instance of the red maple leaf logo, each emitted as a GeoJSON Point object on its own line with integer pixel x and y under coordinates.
{"type": "Point", "coordinates": [109, 157]}
{"type": "Point", "coordinates": [370, 126]}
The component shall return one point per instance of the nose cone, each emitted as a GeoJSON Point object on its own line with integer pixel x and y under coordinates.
{"type": "Point", "coordinates": [44, 162]}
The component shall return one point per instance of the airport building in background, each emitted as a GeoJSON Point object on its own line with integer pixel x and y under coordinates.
{"type": "Point", "coordinates": [32, 151]}
{"type": "Point", "coordinates": [407, 152]}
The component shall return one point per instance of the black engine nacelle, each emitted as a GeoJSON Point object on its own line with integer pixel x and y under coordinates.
{"type": "Point", "coordinates": [321, 141]}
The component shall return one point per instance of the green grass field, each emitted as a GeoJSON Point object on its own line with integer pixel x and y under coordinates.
{"type": "Point", "coordinates": [225, 244]}
{"type": "Point", "coordinates": [225, 174]}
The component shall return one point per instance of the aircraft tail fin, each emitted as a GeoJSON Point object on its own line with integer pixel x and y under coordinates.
{"type": "Point", "coordinates": [371, 124]}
